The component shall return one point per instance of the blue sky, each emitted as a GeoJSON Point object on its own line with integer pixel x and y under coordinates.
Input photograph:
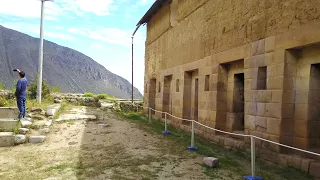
{"type": "Point", "coordinates": [100, 29]}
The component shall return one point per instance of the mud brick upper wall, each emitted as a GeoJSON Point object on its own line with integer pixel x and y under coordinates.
{"type": "Point", "coordinates": [207, 27]}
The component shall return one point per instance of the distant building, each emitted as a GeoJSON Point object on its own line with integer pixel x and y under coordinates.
{"type": "Point", "coordinates": [250, 67]}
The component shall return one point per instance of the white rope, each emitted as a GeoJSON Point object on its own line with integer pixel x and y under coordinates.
{"type": "Point", "coordinates": [287, 146]}
{"type": "Point", "coordinates": [179, 118]}
{"type": "Point", "coordinates": [235, 134]}
{"type": "Point", "coordinates": [243, 135]}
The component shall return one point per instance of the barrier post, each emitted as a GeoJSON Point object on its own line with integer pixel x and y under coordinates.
{"type": "Point", "coordinates": [166, 132]}
{"type": "Point", "coordinates": [253, 161]}
{"type": "Point", "coordinates": [137, 108]}
{"type": "Point", "coordinates": [192, 147]}
{"type": "Point", "coordinates": [149, 115]}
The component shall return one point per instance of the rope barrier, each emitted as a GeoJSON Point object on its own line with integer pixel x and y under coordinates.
{"type": "Point", "coordinates": [252, 137]}
{"type": "Point", "coordinates": [235, 134]}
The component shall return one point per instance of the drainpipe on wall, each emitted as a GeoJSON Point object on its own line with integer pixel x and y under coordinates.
{"type": "Point", "coordinates": [138, 26]}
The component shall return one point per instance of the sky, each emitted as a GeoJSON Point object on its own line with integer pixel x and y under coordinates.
{"type": "Point", "coordinates": [100, 29]}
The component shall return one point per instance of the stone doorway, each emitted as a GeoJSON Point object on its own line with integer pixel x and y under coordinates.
{"type": "Point", "coordinates": [167, 98]}
{"type": "Point", "coordinates": [300, 122]}
{"type": "Point", "coordinates": [190, 95]}
{"type": "Point", "coordinates": [238, 102]}
{"type": "Point", "coordinates": [152, 94]}
{"type": "Point", "coordinates": [230, 111]}
{"type": "Point", "coordinates": [196, 95]}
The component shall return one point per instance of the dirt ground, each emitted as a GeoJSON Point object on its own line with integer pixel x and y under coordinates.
{"type": "Point", "coordinates": [91, 150]}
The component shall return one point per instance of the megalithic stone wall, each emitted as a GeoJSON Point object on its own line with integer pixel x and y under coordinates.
{"type": "Point", "coordinates": [274, 44]}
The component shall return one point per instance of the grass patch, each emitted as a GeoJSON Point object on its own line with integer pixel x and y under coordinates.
{"type": "Point", "coordinates": [237, 162]}
{"type": "Point", "coordinates": [88, 95]}
{"type": "Point", "coordinates": [45, 103]}
{"type": "Point", "coordinates": [63, 108]}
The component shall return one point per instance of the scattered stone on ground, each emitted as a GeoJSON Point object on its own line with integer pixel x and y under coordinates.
{"type": "Point", "coordinates": [23, 131]}
{"type": "Point", "coordinates": [20, 139]}
{"type": "Point", "coordinates": [25, 124]}
{"type": "Point", "coordinates": [44, 131]}
{"type": "Point", "coordinates": [36, 139]}
{"type": "Point", "coordinates": [103, 125]}
{"type": "Point", "coordinates": [36, 110]}
{"type": "Point", "coordinates": [53, 109]}
{"type": "Point", "coordinates": [211, 162]}
{"type": "Point", "coordinates": [66, 117]}
{"type": "Point", "coordinates": [48, 123]}
{"type": "Point", "coordinates": [37, 117]}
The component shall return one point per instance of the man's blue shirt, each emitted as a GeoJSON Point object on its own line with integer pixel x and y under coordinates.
{"type": "Point", "coordinates": [21, 89]}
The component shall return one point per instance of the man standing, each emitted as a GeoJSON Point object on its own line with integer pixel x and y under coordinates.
{"type": "Point", "coordinates": [21, 93]}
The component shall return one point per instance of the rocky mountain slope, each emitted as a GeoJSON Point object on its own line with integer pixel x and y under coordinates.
{"type": "Point", "coordinates": [73, 71]}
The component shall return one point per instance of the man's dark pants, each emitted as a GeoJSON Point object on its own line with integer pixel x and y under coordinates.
{"type": "Point", "coordinates": [21, 102]}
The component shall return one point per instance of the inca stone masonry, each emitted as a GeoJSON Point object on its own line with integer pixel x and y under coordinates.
{"type": "Point", "coordinates": [242, 66]}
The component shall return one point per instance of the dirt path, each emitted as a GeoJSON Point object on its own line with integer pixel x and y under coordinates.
{"type": "Point", "coordinates": [89, 150]}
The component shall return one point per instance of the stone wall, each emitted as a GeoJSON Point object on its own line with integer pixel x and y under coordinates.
{"type": "Point", "coordinates": [6, 94]}
{"type": "Point", "coordinates": [207, 27]}
{"type": "Point", "coordinates": [272, 43]}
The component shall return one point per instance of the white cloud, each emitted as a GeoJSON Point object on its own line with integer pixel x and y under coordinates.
{"type": "Point", "coordinates": [98, 7]}
{"type": "Point", "coordinates": [27, 28]}
{"type": "Point", "coordinates": [96, 46]}
{"type": "Point", "coordinates": [35, 29]}
{"type": "Point", "coordinates": [109, 35]}
{"type": "Point", "coordinates": [58, 8]}
{"type": "Point", "coordinates": [50, 18]}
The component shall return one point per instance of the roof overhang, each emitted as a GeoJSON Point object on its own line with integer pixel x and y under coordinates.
{"type": "Point", "coordinates": [153, 9]}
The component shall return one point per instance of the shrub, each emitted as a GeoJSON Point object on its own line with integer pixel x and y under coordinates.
{"type": "Point", "coordinates": [102, 96]}
{"type": "Point", "coordinates": [2, 86]}
{"type": "Point", "coordinates": [55, 89]}
{"type": "Point", "coordinates": [32, 90]}
{"type": "Point", "coordinates": [13, 89]}
{"type": "Point", "coordinates": [88, 95]}
{"type": "Point", "coordinates": [3, 102]}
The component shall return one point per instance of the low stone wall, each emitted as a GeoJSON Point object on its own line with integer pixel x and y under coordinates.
{"type": "Point", "coordinates": [76, 99]}
{"type": "Point", "coordinates": [6, 94]}
{"type": "Point", "coordinates": [107, 104]}
{"type": "Point", "coordinates": [265, 151]}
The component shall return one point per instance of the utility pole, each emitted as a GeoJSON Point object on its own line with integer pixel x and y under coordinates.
{"type": "Point", "coordinates": [132, 72]}
{"type": "Point", "coordinates": [40, 63]}
{"type": "Point", "coordinates": [132, 59]}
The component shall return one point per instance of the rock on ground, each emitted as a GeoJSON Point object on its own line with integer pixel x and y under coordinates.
{"type": "Point", "coordinates": [51, 111]}
{"type": "Point", "coordinates": [211, 161]}
{"type": "Point", "coordinates": [44, 131]}
{"type": "Point", "coordinates": [20, 139]}
{"type": "Point", "coordinates": [25, 123]}
{"type": "Point", "coordinates": [36, 109]}
{"type": "Point", "coordinates": [36, 139]}
{"type": "Point", "coordinates": [23, 130]}
{"type": "Point", "coordinates": [66, 117]}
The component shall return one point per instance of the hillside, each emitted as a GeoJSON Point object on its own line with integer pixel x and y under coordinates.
{"type": "Point", "coordinates": [73, 71]}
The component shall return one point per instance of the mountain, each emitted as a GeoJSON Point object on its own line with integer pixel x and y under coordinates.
{"type": "Point", "coordinates": [69, 69]}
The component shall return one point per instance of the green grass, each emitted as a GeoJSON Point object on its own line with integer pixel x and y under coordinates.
{"type": "Point", "coordinates": [102, 96]}
{"type": "Point", "coordinates": [45, 103]}
{"type": "Point", "coordinates": [2, 86]}
{"type": "Point", "coordinates": [236, 161]}
{"type": "Point", "coordinates": [64, 106]}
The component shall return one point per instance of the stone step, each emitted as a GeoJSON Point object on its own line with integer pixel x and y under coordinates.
{"type": "Point", "coordinates": [9, 112]}
{"type": "Point", "coordinates": [8, 124]}
{"type": "Point", "coordinates": [6, 139]}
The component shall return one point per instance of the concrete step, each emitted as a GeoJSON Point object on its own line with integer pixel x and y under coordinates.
{"type": "Point", "coordinates": [9, 112]}
{"type": "Point", "coordinates": [6, 139]}
{"type": "Point", "coordinates": [8, 124]}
